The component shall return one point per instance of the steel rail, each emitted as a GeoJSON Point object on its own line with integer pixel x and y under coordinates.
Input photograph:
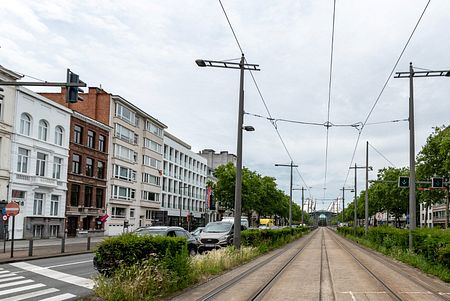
{"type": "Point", "coordinates": [324, 247]}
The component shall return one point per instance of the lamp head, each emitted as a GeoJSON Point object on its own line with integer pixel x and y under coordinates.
{"type": "Point", "coordinates": [249, 128]}
{"type": "Point", "coordinates": [200, 63]}
{"type": "Point", "coordinates": [447, 74]}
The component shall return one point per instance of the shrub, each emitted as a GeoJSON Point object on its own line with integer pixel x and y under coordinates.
{"type": "Point", "coordinates": [128, 249]}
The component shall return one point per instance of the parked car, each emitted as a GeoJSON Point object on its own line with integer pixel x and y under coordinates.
{"type": "Point", "coordinates": [196, 233]}
{"type": "Point", "coordinates": [193, 243]}
{"type": "Point", "coordinates": [217, 235]}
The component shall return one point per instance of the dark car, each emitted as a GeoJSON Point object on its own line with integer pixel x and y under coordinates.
{"type": "Point", "coordinates": [192, 242]}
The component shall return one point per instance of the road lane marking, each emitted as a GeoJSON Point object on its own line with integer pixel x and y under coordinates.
{"type": "Point", "coordinates": [19, 289]}
{"type": "Point", "coordinates": [32, 295]}
{"type": "Point", "coordinates": [8, 275]}
{"type": "Point", "coordinates": [15, 283]}
{"type": "Point", "coordinates": [65, 264]}
{"type": "Point", "coordinates": [59, 297]}
{"type": "Point", "coordinates": [3, 272]}
{"type": "Point", "coordinates": [353, 296]}
{"type": "Point", "coordinates": [75, 280]}
{"type": "Point", "coordinates": [11, 279]}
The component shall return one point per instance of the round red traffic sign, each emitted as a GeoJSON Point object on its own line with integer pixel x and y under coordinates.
{"type": "Point", "coordinates": [12, 209]}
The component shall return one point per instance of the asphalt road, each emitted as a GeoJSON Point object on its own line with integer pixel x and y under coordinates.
{"type": "Point", "coordinates": [57, 278]}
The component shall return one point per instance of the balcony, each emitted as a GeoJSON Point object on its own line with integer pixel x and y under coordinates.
{"type": "Point", "coordinates": [36, 180]}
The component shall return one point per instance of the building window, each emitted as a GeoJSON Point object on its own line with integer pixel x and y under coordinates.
{"type": "Point", "coordinates": [101, 143]}
{"type": "Point", "coordinates": [131, 213]}
{"type": "Point", "coordinates": [150, 179]}
{"type": "Point", "coordinates": [125, 153]}
{"type": "Point", "coordinates": [125, 134]}
{"type": "Point", "coordinates": [77, 134]}
{"type": "Point", "coordinates": [100, 170]}
{"type": "Point", "coordinates": [57, 166]}
{"type": "Point", "coordinates": [54, 205]}
{"type": "Point", "coordinates": [25, 124]}
{"type": "Point", "coordinates": [22, 160]}
{"type": "Point", "coordinates": [153, 129]}
{"type": "Point", "coordinates": [150, 144]}
{"type": "Point", "coordinates": [43, 130]}
{"type": "Point", "coordinates": [89, 167]}
{"type": "Point", "coordinates": [38, 203]}
{"type": "Point", "coordinates": [37, 231]}
{"type": "Point", "coordinates": [87, 196]}
{"type": "Point", "coordinates": [76, 165]}
{"type": "Point", "coordinates": [124, 173]}
{"type": "Point", "coordinates": [59, 135]}
{"type": "Point", "coordinates": [150, 196]}
{"type": "Point", "coordinates": [90, 139]}
{"type": "Point", "coordinates": [75, 195]}
{"type": "Point", "coordinates": [41, 161]}
{"type": "Point", "coordinates": [123, 193]}
{"type": "Point", "coordinates": [54, 230]}
{"type": "Point", "coordinates": [99, 198]}
{"type": "Point", "coordinates": [152, 162]}
{"type": "Point", "coordinates": [118, 212]}
{"type": "Point", "coordinates": [126, 114]}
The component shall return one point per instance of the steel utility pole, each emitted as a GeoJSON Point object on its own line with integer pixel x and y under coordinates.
{"type": "Point", "coordinates": [290, 190]}
{"type": "Point", "coordinates": [238, 187]}
{"type": "Point", "coordinates": [356, 193]}
{"type": "Point", "coordinates": [303, 200]}
{"type": "Point", "coordinates": [366, 207]}
{"type": "Point", "coordinates": [412, 166]}
{"type": "Point", "coordinates": [343, 200]}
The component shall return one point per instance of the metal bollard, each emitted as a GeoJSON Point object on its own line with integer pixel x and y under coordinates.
{"type": "Point", "coordinates": [63, 244]}
{"type": "Point", "coordinates": [30, 247]}
{"type": "Point", "coordinates": [88, 243]}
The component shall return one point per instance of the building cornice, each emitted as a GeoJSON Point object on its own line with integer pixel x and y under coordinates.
{"type": "Point", "coordinates": [91, 121]}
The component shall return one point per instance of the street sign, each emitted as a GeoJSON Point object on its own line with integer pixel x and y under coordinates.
{"type": "Point", "coordinates": [403, 182]}
{"type": "Point", "coordinates": [12, 209]}
{"type": "Point", "coordinates": [437, 182]}
{"type": "Point", "coordinates": [4, 218]}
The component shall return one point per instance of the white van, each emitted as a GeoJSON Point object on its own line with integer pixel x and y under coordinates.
{"type": "Point", "coordinates": [230, 219]}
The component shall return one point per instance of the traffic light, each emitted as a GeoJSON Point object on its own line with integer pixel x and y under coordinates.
{"type": "Point", "coordinates": [437, 182]}
{"type": "Point", "coordinates": [72, 90]}
{"type": "Point", "coordinates": [403, 182]}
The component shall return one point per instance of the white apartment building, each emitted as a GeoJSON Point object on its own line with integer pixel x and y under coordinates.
{"type": "Point", "coordinates": [135, 168]}
{"type": "Point", "coordinates": [184, 184]}
{"type": "Point", "coordinates": [7, 107]}
{"type": "Point", "coordinates": [40, 149]}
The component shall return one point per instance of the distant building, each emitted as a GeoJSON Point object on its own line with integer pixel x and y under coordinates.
{"type": "Point", "coordinates": [214, 160]}
{"type": "Point", "coordinates": [436, 215]}
{"type": "Point", "coordinates": [184, 184]}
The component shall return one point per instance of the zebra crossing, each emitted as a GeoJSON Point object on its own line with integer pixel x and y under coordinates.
{"type": "Point", "coordinates": [14, 287]}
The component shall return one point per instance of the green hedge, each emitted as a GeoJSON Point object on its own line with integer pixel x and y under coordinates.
{"type": "Point", "coordinates": [128, 249]}
{"type": "Point", "coordinates": [269, 237]}
{"type": "Point", "coordinates": [433, 244]}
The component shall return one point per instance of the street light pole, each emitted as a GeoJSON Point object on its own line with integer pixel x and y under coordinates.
{"type": "Point", "coordinates": [356, 194]}
{"type": "Point", "coordinates": [412, 157]}
{"type": "Point", "coordinates": [238, 187]}
{"type": "Point", "coordinates": [290, 190]}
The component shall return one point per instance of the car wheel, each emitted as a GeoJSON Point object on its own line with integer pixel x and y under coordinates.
{"type": "Point", "coordinates": [192, 252]}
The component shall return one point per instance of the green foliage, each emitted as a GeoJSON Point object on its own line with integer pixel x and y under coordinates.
{"type": "Point", "coordinates": [268, 239]}
{"type": "Point", "coordinates": [432, 244]}
{"type": "Point", "coordinates": [128, 249]}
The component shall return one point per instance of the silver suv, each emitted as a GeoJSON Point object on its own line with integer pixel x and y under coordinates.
{"type": "Point", "coordinates": [216, 235]}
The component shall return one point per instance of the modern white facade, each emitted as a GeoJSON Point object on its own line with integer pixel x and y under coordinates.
{"type": "Point", "coordinates": [40, 149]}
{"type": "Point", "coordinates": [184, 183]}
{"type": "Point", "coordinates": [135, 168]}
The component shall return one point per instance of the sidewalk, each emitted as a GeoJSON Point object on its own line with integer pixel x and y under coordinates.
{"type": "Point", "coordinates": [43, 248]}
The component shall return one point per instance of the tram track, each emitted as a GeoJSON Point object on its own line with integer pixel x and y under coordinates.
{"type": "Point", "coordinates": [261, 291]}
{"type": "Point", "coordinates": [326, 290]}
{"type": "Point", "coordinates": [400, 270]}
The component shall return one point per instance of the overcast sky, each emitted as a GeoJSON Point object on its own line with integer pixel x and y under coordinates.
{"type": "Point", "coordinates": [145, 52]}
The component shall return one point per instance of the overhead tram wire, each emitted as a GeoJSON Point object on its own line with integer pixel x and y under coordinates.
{"type": "Point", "coordinates": [384, 157]}
{"type": "Point", "coordinates": [262, 98]}
{"type": "Point", "coordinates": [329, 99]}
{"type": "Point", "coordinates": [383, 88]}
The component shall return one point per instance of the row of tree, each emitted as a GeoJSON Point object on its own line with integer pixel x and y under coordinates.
{"type": "Point", "coordinates": [384, 194]}
{"type": "Point", "coordinates": [260, 194]}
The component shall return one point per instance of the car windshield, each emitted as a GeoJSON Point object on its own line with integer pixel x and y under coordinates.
{"type": "Point", "coordinates": [151, 232]}
{"type": "Point", "coordinates": [217, 227]}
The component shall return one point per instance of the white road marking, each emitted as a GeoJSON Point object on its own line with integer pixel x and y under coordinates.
{"type": "Point", "coordinates": [353, 296]}
{"type": "Point", "coordinates": [15, 283]}
{"type": "Point", "coordinates": [65, 264]}
{"type": "Point", "coordinates": [59, 297]}
{"type": "Point", "coordinates": [19, 289]}
{"type": "Point", "coordinates": [7, 275]}
{"type": "Point", "coordinates": [3, 272]}
{"type": "Point", "coordinates": [12, 278]}
{"type": "Point", "coordinates": [33, 294]}
{"type": "Point", "coordinates": [79, 281]}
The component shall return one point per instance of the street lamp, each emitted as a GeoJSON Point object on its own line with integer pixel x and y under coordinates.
{"type": "Point", "coordinates": [291, 165]}
{"type": "Point", "coordinates": [412, 156]}
{"type": "Point", "coordinates": [238, 187]}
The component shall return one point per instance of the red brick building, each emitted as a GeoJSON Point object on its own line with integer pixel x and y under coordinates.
{"type": "Point", "coordinates": [88, 161]}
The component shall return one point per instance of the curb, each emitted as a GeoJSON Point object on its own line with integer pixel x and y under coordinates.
{"type": "Point", "coordinates": [17, 259]}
